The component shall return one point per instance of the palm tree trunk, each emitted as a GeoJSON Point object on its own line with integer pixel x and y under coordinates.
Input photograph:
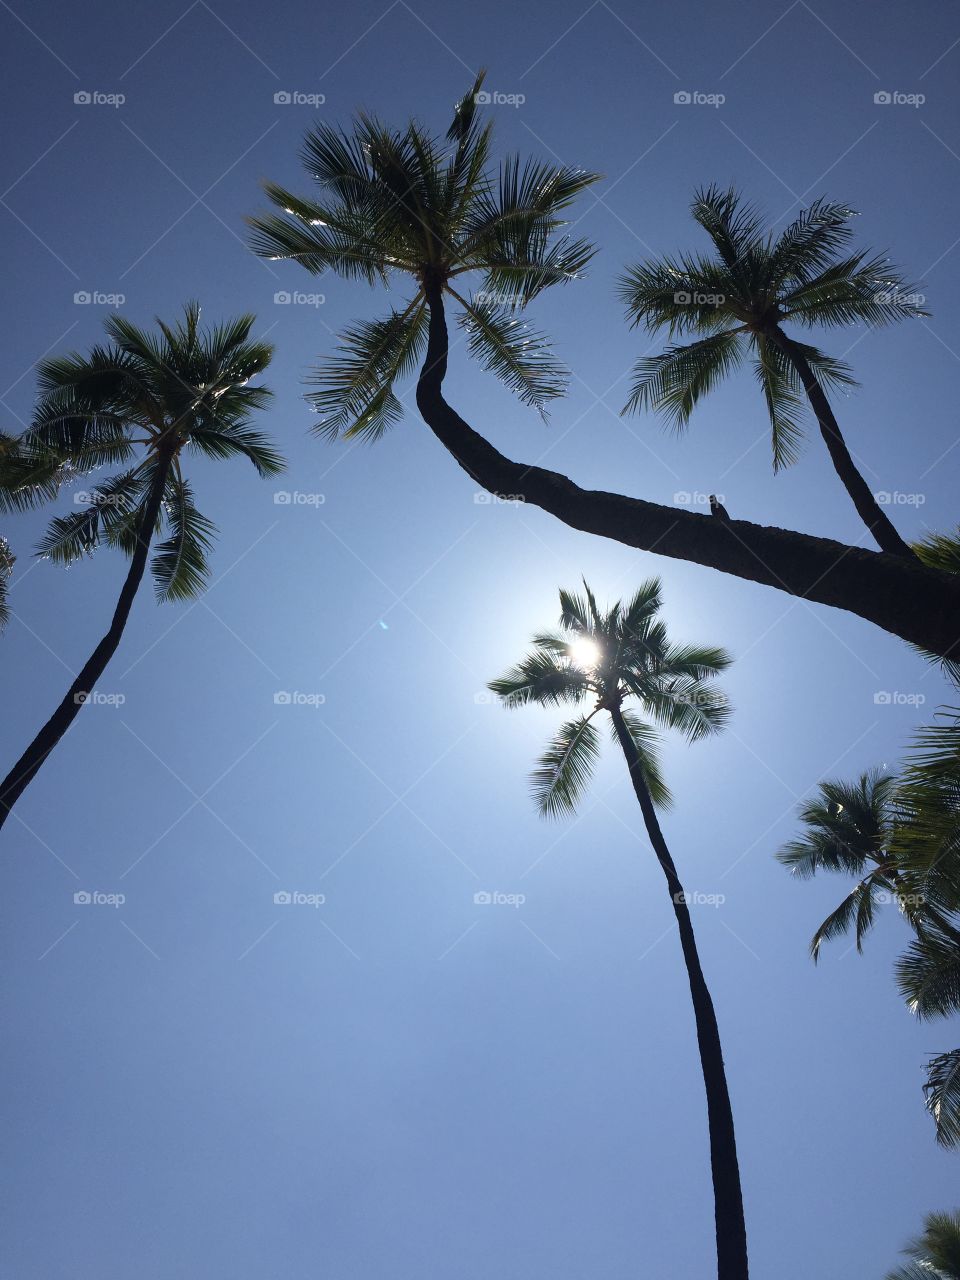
{"type": "Point", "coordinates": [728, 1199]}
{"type": "Point", "coordinates": [869, 510]}
{"type": "Point", "coordinates": [896, 593]}
{"type": "Point", "coordinates": [29, 764]}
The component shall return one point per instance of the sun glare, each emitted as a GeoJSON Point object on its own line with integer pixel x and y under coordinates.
{"type": "Point", "coordinates": [585, 654]}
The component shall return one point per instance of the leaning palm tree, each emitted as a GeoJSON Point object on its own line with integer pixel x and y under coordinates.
{"type": "Point", "coordinates": [138, 403]}
{"type": "Point", "coordinates": [407, 204]}
{"type": "Point", "coordinates": [740, 299]}
{"type": "Point", "coordinates": [606, 660]}
{"type": "Point", "coordinates": [935, 1254]}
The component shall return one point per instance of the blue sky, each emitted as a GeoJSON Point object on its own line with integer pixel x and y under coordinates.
{"type": "Point", "coordinates": [399, 1081]}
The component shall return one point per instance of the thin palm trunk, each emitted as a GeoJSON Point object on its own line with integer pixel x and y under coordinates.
{"type": "Point", "coordinates": [29, 764]}
{"type": "Point", "coordinates": [896, 593]}
{"type": "Point", "coordinates": [869, 510]}
{"type": "Point", "coordinates": [728, 1198]}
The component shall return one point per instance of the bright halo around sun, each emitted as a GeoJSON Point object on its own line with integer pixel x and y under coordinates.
{"type": "Point", "coordinates": [585, 654]}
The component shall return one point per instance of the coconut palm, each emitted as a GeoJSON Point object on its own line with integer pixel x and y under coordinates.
{"type": "Point", "coordinates": [739, 300]}
{"type": "Point", "coordinates": [935, 1253]}
{"type": "Point", "coordinates": [848, 829]}
{"type": "Point", "coordinates": [604, 661]}
{"type": "Point", "coordinates": [139, 403]}
{"type": "Point", "coordinates": [409, 204]}
{"type": "Point", "coordinates": [357, 177]}
{"type": "Point", "coordinates": [900, 837]}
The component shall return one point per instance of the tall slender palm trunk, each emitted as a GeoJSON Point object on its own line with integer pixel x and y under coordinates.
{"type": "Point", "coordinates": [728, 1198]}
{"type": "Point", "coordinates": [869, 510]}
{"type": "Point", "coordinates": [29, 764]}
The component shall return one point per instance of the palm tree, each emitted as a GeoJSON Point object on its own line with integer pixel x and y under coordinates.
{"type": "Point", "coordinates": [900, 836]}
{"type": "Point", "coordinates": [373, 232]}
{"type": "Point", "coordinates": [606, 660]}
{"type": "Point", "coordinates": [138, 402]}
{"type": "Point", "coordinates": [740, 298]}
{"type": "Point", "coordinates": [935, 1254]}
{"type": "Point", "coordinates": [406, 203]}
{"type": "Point", "coordinates": [848, 829]}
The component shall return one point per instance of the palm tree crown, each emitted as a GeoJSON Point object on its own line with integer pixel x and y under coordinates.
{"type": "Point", "coordinates": [407, 202]}
{"type": "Point", "coordinates": [739, 298]}
{"type": "Point", "coordinates": [848, 829]}
{"type": "Point", "coordinates": [610, 658]}
{"type": "Point", "coordinates": [935, 1254]}
{"type": "Point", "coordinates": [139, 403]}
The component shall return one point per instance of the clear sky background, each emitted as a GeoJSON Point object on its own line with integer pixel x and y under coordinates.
{"type": "Point", "coordinates": [400, 1083]}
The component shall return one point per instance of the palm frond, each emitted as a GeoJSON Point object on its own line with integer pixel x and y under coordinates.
{"type": "Point", "coordinates": [673, 382]}
{"type": "Point", "coordinates": [510, 348]}
{"type": "Point", "coordinates": [566, 767]}
{"type": "Point", "coordinates": [356, 396]}
{"type": "Point", "coordinates": [542, 677]}
{"type": "Point", "coordinates": [179, 565]}
{"type": "Point", "coordinates": [942, 1094]}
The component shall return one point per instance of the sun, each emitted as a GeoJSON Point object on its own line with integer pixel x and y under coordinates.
{"type": "Point", "coordinates": [585, 653]}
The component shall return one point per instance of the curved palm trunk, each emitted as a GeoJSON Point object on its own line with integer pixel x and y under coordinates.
{"type": "Point", "coordinates": [869, 510]}
{"type": "Point", "coordinates": [896, 593]}
{"type": "Point", "coordinates": [27, 767]}
{"type": "Point", "coordinates": [728, 1199]}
